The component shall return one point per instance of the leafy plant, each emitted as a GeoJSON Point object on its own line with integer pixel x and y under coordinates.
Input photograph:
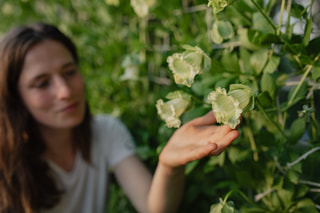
{"type": "Point", "coordinates": [281, 70]}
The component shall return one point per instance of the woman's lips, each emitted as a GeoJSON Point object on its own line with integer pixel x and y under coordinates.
{"type": "Point", "coordinates": [69, 108]}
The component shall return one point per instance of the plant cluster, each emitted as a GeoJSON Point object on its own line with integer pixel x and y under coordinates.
{"type": "Point", "coordinates": [268, 75]}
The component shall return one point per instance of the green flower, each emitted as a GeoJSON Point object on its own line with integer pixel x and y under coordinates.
{"type": "Point", "coordinates": [130, 64]}
{"type": "Point", "coordinates": [219, 5]}
{"type": "Point", "coordinates": [141, 7]}
{"type": "Point", "coordinates": [171, 110]}
{"type": "Point", "coordinates": [112, 2]}
{"type": "Point", "coordinates": [225, 108]}
{"type": "Point", "coordinates": [244, 95]}
{"type": "Point", "coordinates": [185, 66]}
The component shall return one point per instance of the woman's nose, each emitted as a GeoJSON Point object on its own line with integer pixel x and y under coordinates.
{"type": "Point", "coordinates": [62, 88]}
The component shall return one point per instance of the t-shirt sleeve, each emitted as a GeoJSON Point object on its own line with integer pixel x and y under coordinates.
{"type": "Point", "coordinates": [116, 140]}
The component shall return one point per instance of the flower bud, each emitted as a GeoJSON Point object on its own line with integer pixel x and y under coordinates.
{"type": "Point", "coordinates": [171, 110]}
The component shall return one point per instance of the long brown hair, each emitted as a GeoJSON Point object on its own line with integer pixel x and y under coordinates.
{"type": "Point", "coordinates": [25, 181]}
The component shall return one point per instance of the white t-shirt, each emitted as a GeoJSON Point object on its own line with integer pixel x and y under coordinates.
{"type": "Point", "coordinates": [86, 184]}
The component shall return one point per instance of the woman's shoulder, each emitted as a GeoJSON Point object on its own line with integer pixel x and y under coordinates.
{"type": "Point", "coordinates": [103, 119]}
{"type": "Point", "coordinates": [106, 123]}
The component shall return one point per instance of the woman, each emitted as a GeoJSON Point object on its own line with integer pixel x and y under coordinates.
{"type": "Point", "coordinates": [55, 158]}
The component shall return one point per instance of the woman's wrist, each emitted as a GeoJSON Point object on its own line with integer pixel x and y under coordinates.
{"type": "Point", "coordinates": [171, 170]}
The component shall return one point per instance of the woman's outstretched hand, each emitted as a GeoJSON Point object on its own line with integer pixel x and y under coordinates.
{"type": "Point", "coordinates": [196, 139]}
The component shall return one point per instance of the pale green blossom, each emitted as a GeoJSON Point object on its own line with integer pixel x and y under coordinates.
{"type": "Point", "coordinates": [130, 64]}
{"type": "Point", "coordinates": [142, 7]}
{"type": "Point", "coordinates": [219, 5]}
{"type": "Point", "coordinates": [171, 110]}
{"type": "Point", "coordinates": [225, 108]}
{"type": "Point", "coordinates": [112, 2]}
{"type": "Point", "coordinates": [244, 94]}
{"type": "Point", "coordinates": [185, 66]}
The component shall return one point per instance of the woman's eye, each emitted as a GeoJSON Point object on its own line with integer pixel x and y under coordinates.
{"type": "Point", "coordinates": [42, 84]}
{"type": "Point", "coordinates": [70, 72]}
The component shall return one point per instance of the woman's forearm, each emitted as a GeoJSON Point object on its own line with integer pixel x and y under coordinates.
{"type": "Point", "coordinates": [166, 189]}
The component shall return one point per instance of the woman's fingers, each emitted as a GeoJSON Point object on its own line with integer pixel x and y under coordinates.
{"type": "Point", "coordinates": [207, 119]}
{"type": "Point", "coordinates": [224, 142]}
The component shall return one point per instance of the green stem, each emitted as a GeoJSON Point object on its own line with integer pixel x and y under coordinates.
{"type": "Point", "coordinates": [308, 69]}
{"type": "Point", "coordinates": [289, 16]}
{"type": "Point", "coordinates": [241, 193]}
{"type": "Point", "coordinates": [197, 100]}
{"type": "Point", "coordinates": [281, 16]}
{"type": "Point", "coordinates": [252, 143]}
{"type": "Point", "coordinates": [270, 119]}
{"type": "Point", "coordinates": [295, 92]}
{"type": "Point", "coordinates": [264, 15]}
{"type": "Point", "coordinates": [143, 38]}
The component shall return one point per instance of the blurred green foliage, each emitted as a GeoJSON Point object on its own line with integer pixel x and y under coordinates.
{"type": "Point", "coordinates": [123, 59]}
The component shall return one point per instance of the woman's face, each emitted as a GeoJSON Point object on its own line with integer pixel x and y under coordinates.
{"type": "Point", "coordinates": [51, 86]}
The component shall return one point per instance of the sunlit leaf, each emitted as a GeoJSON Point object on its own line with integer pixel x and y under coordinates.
{"type": "Point", "coordinates": [268, 84]}
{"type": "Point", "coordinates": [272, 65]}
{"type": "Point", "coordinates": [315, 73]}
{"type": "Point", "coordinates": [261, 24]}
{"type": "Point", "coordinates": [258, 60]}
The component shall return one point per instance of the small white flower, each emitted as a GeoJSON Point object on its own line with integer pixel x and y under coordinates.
{"type": "Point", "coordinates": [171, 110]}
{"type": "Point", "coordinates": [225, 108]}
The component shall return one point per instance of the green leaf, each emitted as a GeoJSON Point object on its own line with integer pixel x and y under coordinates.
{"type": "Point", "coordinates": [297, 10]}
{"type": "Point", "coordinates": [313, 47]}
{"type": "Point", "coordinates": [191, 166]}
{"type": "Point", "coordinates": [225, 29]}
{"type": "Point", "coordinates": [297, 130]}
{"type": "Point", "coordinates": [268, 84]}
{"type": "Point", "coordinates": [265, 99]}
{"type": "Point", "coordinates": [307, 205]}
{"type": "Point", "coordinates": [272, 65]}
{"type": "Point", "coordinates": [245, 61]}
{"type": "Point", "coordinates": [301, 94]}
{"type": "Point", "coordinates": [222, 207]}
{"type": "Point", "coordinates": [307, 31]}
{"type": "Point", "coordinates": [258, 60]}
{"type": "Point", "coordinates": [246, 38]}
{"type": "Point", "coordinates": [215, 35]}
{"type": "Point", "coordinates": [293, 176]}
{"type": "Point", "coordinates": [260, 23]}
{"type": "Point", "coordinates": [217, 160]}
{"type": "Point", "coordinates": [301, 191]}
{"type": "Point", "coordinates": [268, 39]}
{"type": "Point", "coordinates": [315, 73]}
{"type": "Point", "coordinates": [237, 155]}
